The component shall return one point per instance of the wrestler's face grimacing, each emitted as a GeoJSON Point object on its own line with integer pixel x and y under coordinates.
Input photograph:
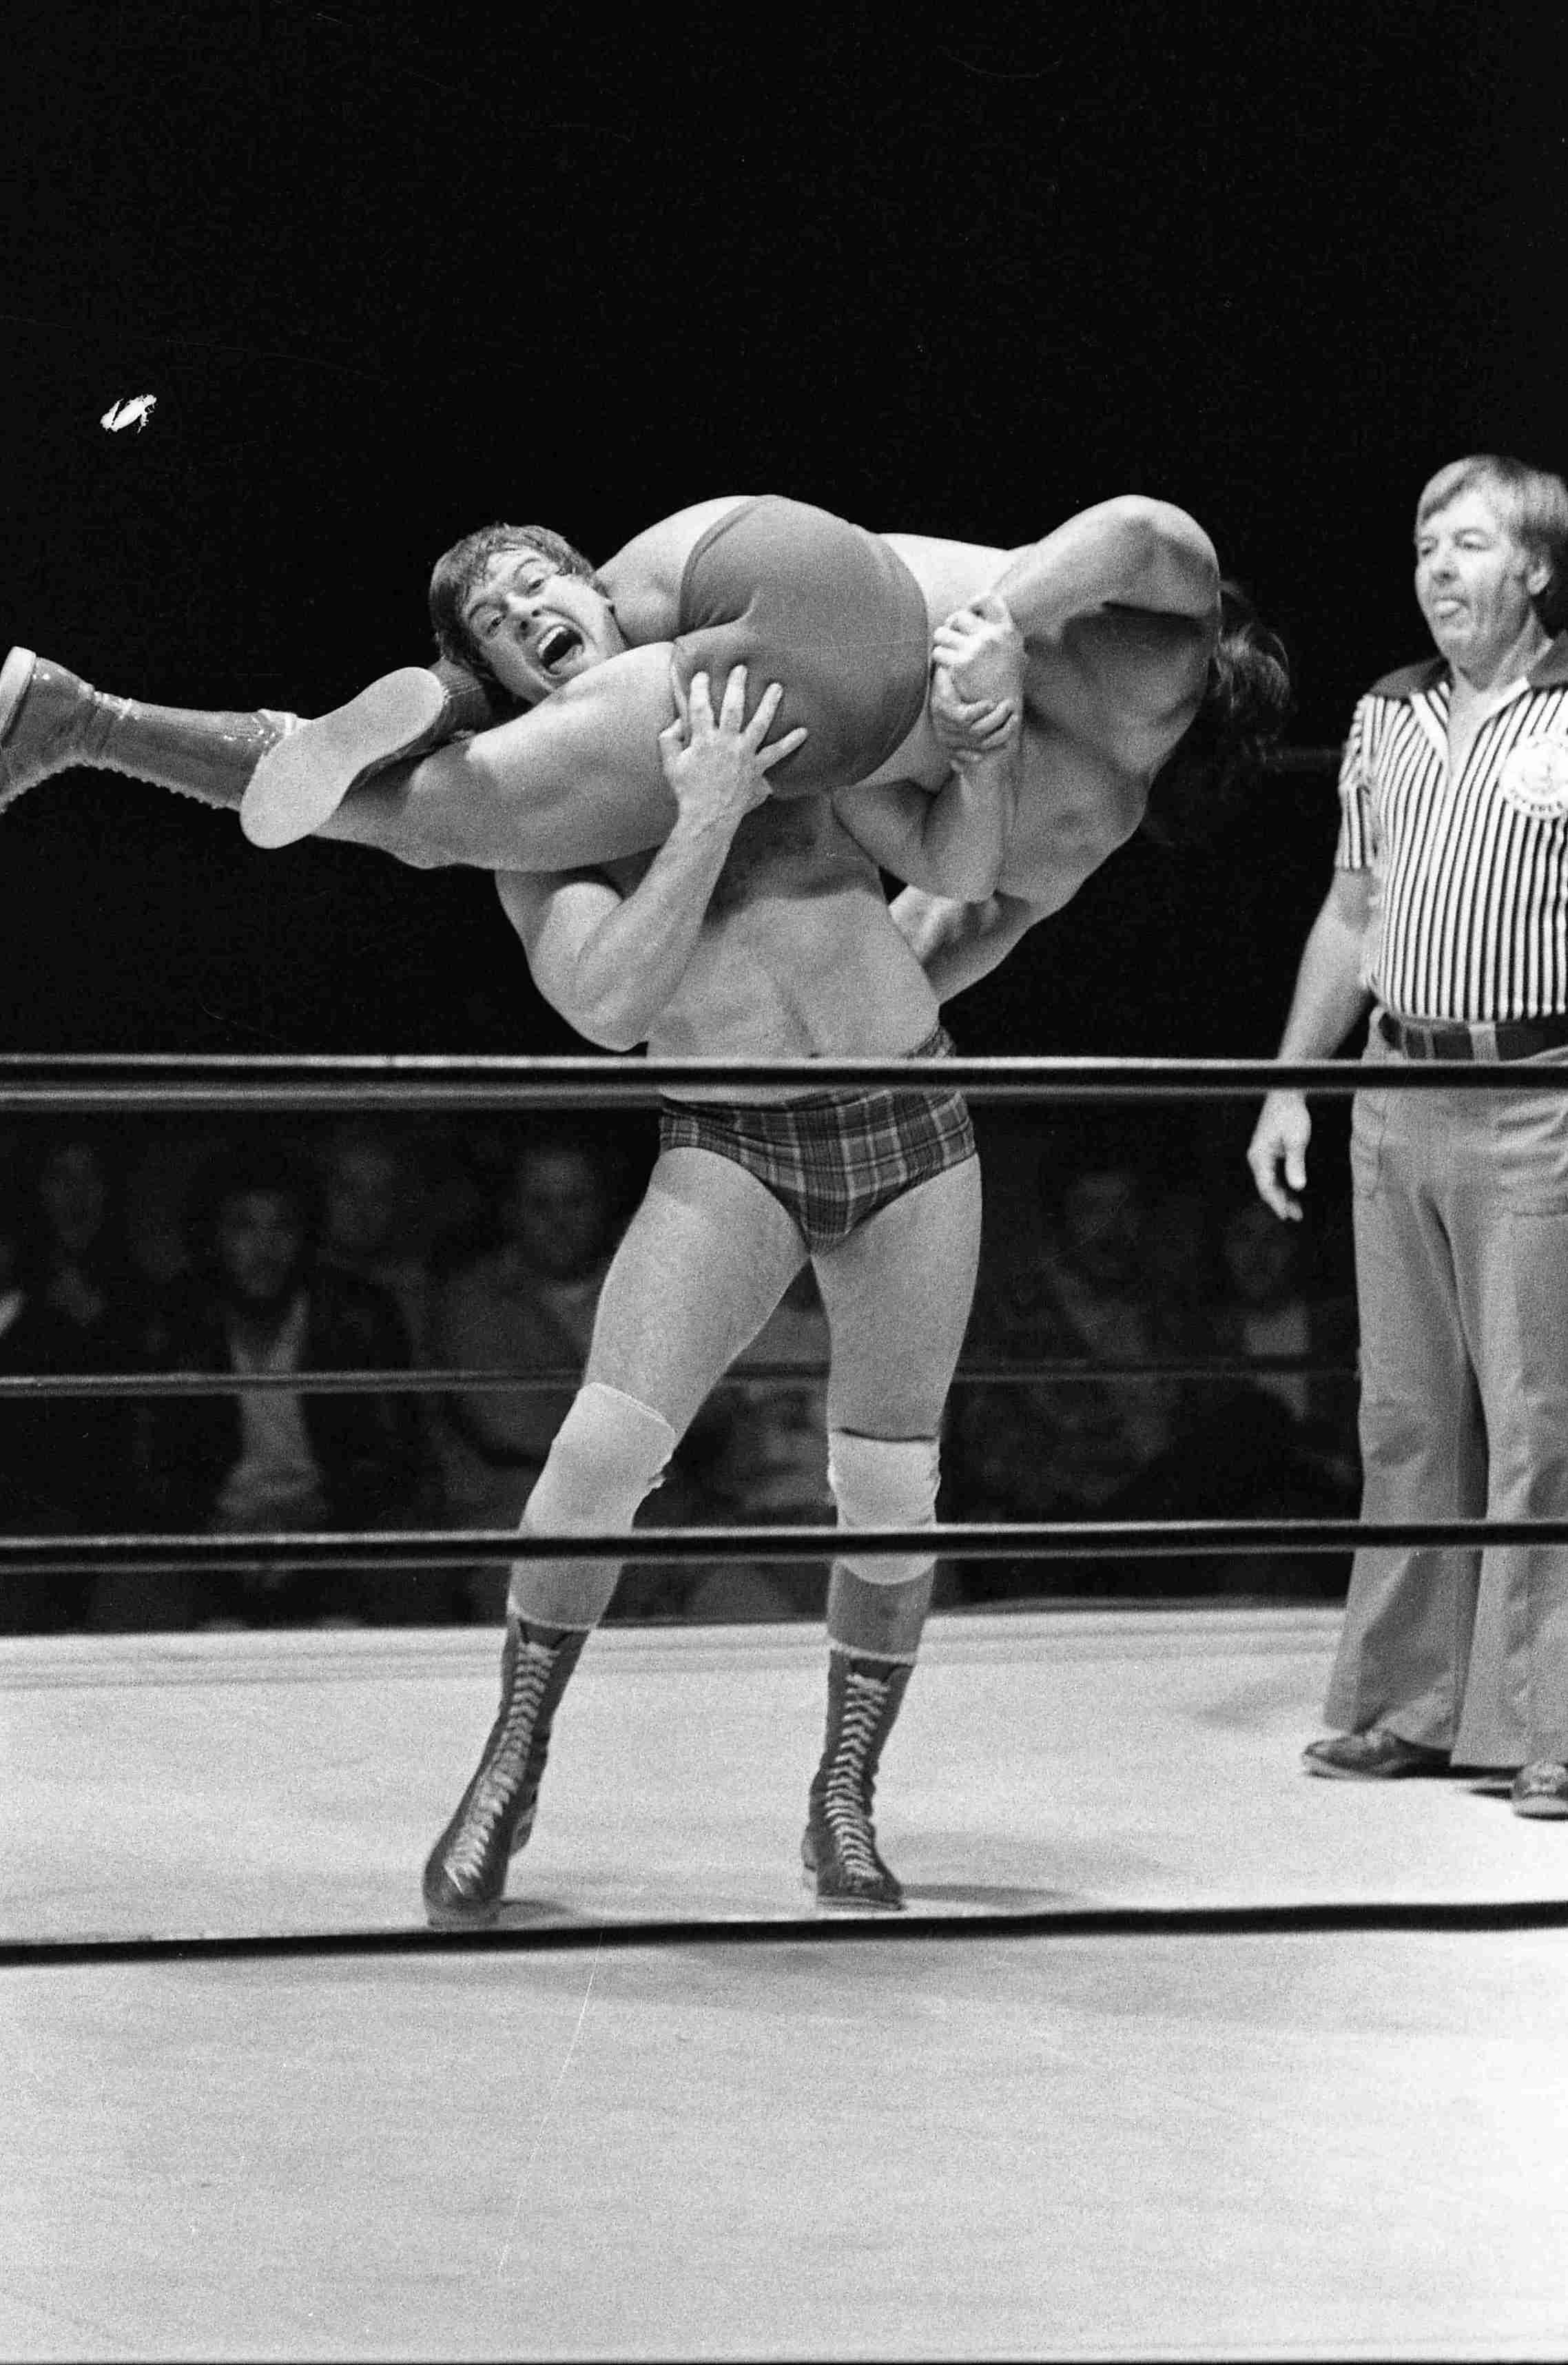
{"type": "Point", "coordinates": [539, 628]}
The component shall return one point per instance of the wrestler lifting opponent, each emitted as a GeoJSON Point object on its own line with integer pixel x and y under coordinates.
{"type": "Point", "coordinates": [757, 930]}
{"type": "Point", "coordinates": [1124, 618]}
{"type": "Point", "coordinates": [1124, 643]}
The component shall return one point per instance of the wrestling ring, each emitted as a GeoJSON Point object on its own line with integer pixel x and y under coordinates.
{"type": "Point", "coordinates": [1175, 2053]}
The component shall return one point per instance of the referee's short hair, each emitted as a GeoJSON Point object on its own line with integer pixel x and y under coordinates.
{"type": "Point", "coordinates": [1534, 502]}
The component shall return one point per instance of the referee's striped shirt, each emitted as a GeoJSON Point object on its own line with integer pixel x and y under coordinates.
{"type": "Point", "coordinates": [1472, 874]}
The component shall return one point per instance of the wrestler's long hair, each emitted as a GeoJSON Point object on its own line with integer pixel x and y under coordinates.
{"type": "Point", "coordinates": [1201, 786]}
{"type": "Point", "coordinates": [459, 572]}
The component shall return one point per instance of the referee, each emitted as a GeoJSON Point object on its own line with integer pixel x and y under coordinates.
{"type": "Point", "coordinates": [1448, 913]}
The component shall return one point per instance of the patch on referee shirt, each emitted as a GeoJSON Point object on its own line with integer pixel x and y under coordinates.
{"type": "Point", "coordinates": [1535, 779]}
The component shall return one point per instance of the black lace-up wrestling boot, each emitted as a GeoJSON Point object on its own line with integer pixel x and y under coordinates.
{"type": "Point", "coordinates": [50, 720]}
{"type": "Point", "coordinates": [466, 1876]}
{"type": "Point", "coordinates": [839, 1849]}
{"type": "Point", "coordinates": [398, 720]}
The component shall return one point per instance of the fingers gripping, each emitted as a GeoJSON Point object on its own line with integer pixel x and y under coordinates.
{"type": "Point", "coordinates": [695, 725]}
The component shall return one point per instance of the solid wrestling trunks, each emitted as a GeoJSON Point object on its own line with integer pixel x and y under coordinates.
{"type": "Point", "coordinates": [802, 598]}
{"type": "Point", "coordinates": [833, 1158]}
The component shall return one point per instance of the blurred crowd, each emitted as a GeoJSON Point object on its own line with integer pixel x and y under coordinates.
{"type": "Point", "coordinates": [380, 1245]}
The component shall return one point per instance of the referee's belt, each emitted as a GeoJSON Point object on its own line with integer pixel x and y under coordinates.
{"type": "Point", "coordinates": [1509, 1038]}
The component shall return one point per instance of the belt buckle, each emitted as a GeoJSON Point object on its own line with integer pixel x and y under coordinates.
{"type": "Point", "coordinates": [1484, 1043]}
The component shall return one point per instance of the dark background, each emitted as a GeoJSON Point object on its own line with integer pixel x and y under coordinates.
{"type": "Point", "coordinates": [959, 270]}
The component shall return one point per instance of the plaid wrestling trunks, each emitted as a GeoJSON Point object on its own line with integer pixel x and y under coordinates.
{"type": "Point", "coordinates": [833, 1158]}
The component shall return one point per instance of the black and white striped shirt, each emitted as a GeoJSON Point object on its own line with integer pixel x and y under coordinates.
{"type": "Point", "coordinates": [1472, 875]}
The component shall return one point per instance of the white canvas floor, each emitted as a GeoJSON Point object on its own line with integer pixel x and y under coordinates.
{"type": "Point", "coordinates": [234, 1784]}
{"type": "Point", "coordinates": [963, 2142]}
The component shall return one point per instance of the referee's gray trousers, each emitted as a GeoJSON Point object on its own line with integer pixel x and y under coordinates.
{"type": "Point", "coordinates": [1461, 1275]}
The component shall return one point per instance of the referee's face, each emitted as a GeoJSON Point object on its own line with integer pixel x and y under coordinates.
{"type": "Point", "coordinates": [1473, 581]}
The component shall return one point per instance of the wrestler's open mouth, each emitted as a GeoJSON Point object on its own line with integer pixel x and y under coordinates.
{"type": "Point", "coordinates": [557, 645]}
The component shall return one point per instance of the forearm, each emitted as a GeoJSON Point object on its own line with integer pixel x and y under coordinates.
{"type": "Point", "coordinates": [950, 843]}
{"type": "Point", "coordinates": [965, 828]}
{"type": "Point", "coordinates": [1128, 553]}
{"type": "Point", "coordinates": [1330, 994]}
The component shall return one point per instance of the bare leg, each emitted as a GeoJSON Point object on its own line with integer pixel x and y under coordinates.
{"type": "Point", "coordinates": [397, 719]}
{"type": "Point", "coordinates": [898, 1296]}
{"type": "Point", "coordinates": [576, 780]}
{"type": "Point", "coordinates": [705, 1259]}
{"type": "Point", "coordinates": [703, 1263]}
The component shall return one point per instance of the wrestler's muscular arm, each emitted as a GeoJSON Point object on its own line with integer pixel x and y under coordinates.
{"type": "Point", "coordinates": [1119, 609]}
{"type": "Point", "coordinates": [952, 843]}
{"type": "Point", "coordinates": [1126, 553]}
{"type": "Point", "coordinates": [1116, 608]}
{"type": "Point", "coordinates": [611, 961]}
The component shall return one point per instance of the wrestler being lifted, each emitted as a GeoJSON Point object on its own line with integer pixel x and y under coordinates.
{"type": "Point", "coordinates": [1100, 648]}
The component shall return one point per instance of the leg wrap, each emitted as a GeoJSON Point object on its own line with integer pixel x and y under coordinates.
{"type": "Point", "coordinates": [880, 1481]}
{"type": "Point", "coordinates": [607, 1457]}
{"type": "Point", "coordinates": [877, 1604]}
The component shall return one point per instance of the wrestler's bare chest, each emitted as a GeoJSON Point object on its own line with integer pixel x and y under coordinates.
{"type": "Point", "coordinates": [1104, 705]}
{"type": "Point", "coordinates": [1075, 805]}
{"type": "Point", "coordinates": [798, 956]}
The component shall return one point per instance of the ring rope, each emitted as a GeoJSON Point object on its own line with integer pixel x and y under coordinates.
{"type": "Point", "coordinates": [549, 1379]}
{"type": "Point", "coordinates": [90, 1083]}
{"type": "Point", "coordinates": [411, 1549]}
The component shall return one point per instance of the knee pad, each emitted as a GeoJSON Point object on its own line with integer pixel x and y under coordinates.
{"type": "Point", "coordinates": [607, 1458]}
{"type": "Point", "coordinates": [880, 1481]}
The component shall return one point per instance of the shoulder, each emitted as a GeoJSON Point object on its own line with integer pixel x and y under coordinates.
{"type": "Point", "coordinates": [1406, 681]}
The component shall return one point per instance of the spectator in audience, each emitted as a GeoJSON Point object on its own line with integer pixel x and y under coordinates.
{"type": "Point", "coordinates": [33, 1340]}
{"type": "Point", "coordinates": [1266, 1309]}
{"type": "Point", "coordinates": [376, 1224]}
{"type": "Point", "coordinates": [1178, 1254]}
{"type": "Point", "coordinates": [85, 1275]}
{"type": "Point", "coordinates": [525, 1305]}
{"type": "Point", "coordinates": [1067, 1448]}
{"type": "Point", "coordinates": [259, 1300]}
{"type": "Point", "coordinates": [1131, 1274]}
{"type": "Point", "coordinates": [1287, 1441]}
{"type": "Point", "coordinates": [376, 1217]}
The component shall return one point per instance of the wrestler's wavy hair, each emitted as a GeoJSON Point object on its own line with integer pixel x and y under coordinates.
{"type": "Point", "coordinates": [459, 572]}
{"type": "Point", "coordinates": [1200, 788]}
{"type": "Point", "coordinates": [1534, 505]}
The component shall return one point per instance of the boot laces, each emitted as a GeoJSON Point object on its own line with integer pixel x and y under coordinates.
{"type": "Point", "coordinates": [847, 1797]}
{"type": "Point", "coordinates": [506, 1760]}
